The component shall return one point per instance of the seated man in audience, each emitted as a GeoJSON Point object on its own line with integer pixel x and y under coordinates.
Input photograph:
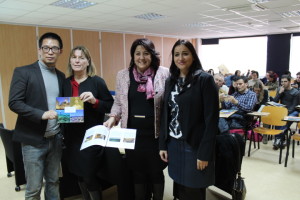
{"type": "Point", "coordinates": [219, 80]}
{"type": "Point", "coordinates": [288, 96]}
{"type": "Point", "coordinates": [243, 100]}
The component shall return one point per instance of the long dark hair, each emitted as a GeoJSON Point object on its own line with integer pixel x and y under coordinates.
{"type": "Point", "coordinates": [196, 65]}
{"type": "Point", "coordinates": [149, 46]}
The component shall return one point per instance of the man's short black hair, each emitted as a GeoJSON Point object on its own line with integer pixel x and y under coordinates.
{"type": "Point", "coordinates": [288, 77]}
{"type": "Point", "coordinates": [50, 35]}
{"type": "Point", "coordinates": [244, 78]}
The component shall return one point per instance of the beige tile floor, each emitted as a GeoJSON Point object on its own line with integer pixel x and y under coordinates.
{"type": "Point", "coordinates": [264, 177]}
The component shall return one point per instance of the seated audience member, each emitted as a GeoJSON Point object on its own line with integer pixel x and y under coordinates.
{"type": "Point", "coordinates": [288, 96]}
{"type": "Point", "coordinates": [272, 82]}
{"type": "Point", "coordinates": [232, 88]}
{"type": "Point", "coordinates": [254, 79]}
{"type": "Point", "coordinates": [261, 94]}
{"type": "Point", "coordinates": [243, 100]}
{"type": "Point", "coordinates": [248, 73]}
{"type": "Point", "coordinates": [237, 73]}
{"type": "Point", "coordinates": [296, 83]}
{"type": "Point", "coordinates": [287, 72]}
{"type": "Point", "coordinates": [227, 79]}
{"type": "Point", "coordinates": [219, 80]}
{"type": "Point", "coordinates": [211, 71]}
{"type": "Point", "coordinates": [265, 79]}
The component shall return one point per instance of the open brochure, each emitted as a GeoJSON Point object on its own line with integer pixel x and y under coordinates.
{"type": "Point", "coordinates": [272, 103]}
{"type": "Point", "coordinates": [69, 110]}
{"type": "Point", "coordinates": [115, 137]}
{"type": "Point", "coordinates": [292, 118]}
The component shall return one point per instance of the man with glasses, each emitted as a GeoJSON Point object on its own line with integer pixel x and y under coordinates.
{"type": "Point", "coordinates": [32, 96]}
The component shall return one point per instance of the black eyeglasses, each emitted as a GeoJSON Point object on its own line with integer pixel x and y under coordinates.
{"type": "Point", "coordinates": [53, 49]}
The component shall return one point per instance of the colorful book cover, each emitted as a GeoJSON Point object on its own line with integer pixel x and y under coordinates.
{"type": "Point", "coordinates": [69, 110]}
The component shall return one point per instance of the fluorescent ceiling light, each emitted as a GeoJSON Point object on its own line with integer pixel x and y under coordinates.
{"type": "Point", "coordinates": [295, 13]}
{"type": "Point", "coordinates": [245, 8]}
{"type": "Point", "coordinates": [259, 1]}
{"type": "Point", "coordinates": [197, 25]}
{"type": "Point", "coordinates": [150, 16]}
{"type": "Point", "coordinates": [290, 28]}
{"type": "Point", "coordinates": [74, 4]}
{"type": "Point", "coordinates": [258, 7]}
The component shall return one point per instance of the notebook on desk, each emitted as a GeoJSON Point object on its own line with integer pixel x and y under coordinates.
{"type": "Point", "coordinates": [272, 103]}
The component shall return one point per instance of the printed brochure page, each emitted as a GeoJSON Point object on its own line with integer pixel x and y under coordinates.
{"type": "Point", "coordinates": [115, 137]}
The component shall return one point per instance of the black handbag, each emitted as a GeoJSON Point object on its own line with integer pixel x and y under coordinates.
{"type": "Point", "coordinates": [239, 188]}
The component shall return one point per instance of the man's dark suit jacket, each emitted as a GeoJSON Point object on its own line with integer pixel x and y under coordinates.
{"type": "Point", "coordinates": [27, 98]}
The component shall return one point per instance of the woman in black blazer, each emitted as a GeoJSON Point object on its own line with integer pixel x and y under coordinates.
{"type": "Point", "coordinates": [92, 90]}
{"type": "Point", "coordinates": [189, 123]}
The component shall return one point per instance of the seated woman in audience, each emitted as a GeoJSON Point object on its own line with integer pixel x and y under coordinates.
{"type": "Point", "coordinates": [189, 124]}
{"type": "Point", "coordinates": [232, 88]}
{"type": "Point", "coordinates": [237, 73]}
{"type": "Point", "coordinates": [272, 82]}
{"type": "Point", "coordinates": [262, 95]}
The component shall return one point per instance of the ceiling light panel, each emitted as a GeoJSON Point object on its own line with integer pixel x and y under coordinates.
{"type": "Point", "coordinates": [197, 25]}
{"type": "Point", "coordinates": [74, 4]}
{"type": "Point", "coordinates": [150, 16]}
{"type": "Point", "coordinates": [259, 1]}
{"type": "Point", "coordinates": [295, 13]}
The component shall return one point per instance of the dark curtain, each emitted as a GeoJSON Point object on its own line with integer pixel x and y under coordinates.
{"type": "Point", "coordinates": [278, 53]}
{"type": "Point", "coordinates": [210, 41]}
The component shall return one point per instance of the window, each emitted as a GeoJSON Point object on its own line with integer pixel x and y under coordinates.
{"type": "Point", "coordinates": [236, 54]}
{"type": "Point", "coordinates": [294, 56]}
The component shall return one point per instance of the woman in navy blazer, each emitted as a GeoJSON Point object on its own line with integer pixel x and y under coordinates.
{"type": "Point", "coordinates": [189, 124]}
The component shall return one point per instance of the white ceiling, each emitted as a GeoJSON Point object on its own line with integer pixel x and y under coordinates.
{"type": "Point", "coordinates": [183, 18]}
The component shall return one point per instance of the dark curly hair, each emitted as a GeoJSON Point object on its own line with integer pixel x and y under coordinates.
{"type": "Point", "coordinates": [149, 46]}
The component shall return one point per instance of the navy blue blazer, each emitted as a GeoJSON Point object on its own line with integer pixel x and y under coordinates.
{"type": "Point", "coordinates": [27, 98]}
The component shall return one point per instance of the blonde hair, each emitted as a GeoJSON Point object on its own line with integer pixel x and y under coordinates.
{"type": "Point", "coordinates": [90, 70]}
{"type": "Point", "coordinates": [261, 87]}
